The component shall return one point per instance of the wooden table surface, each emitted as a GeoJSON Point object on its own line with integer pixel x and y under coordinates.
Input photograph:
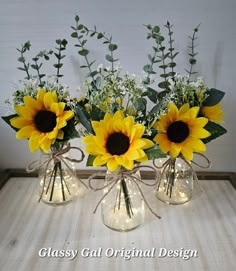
{"type": "Point", "coordinates": [207, 224]}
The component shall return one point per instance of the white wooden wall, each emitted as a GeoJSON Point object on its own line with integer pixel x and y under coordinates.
{"type": "Point", "coordinates": [43, 21]}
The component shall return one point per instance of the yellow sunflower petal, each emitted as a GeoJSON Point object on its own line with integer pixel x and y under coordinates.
{"type": "Point", "coordinates": [112, 164]}
{"type": "Point", "coordinates": [25, 132]}
{"type": "Point", "coordinates": [32, 103]}
{"type": "Point", "coordinates": [40, 95]}
{"type": "Point", "coordinates": [49, 99]}
{"type": "Point", "coordinates": [60, 134]}
{"type": "Point", "coordinates": [99, 161]}
{"type": "Point", "coordinates": [163, 142]}
{"type": "Point", "coordinates": [199, 146]}
{"type": "Point", "coordinates": [175, 149]}
{"type": "Point", "coordinates": [19, 122]}
{"type": "Point", "coordinates": [187, 152]}
{"type": "Point", "coordinates": [46, 144]}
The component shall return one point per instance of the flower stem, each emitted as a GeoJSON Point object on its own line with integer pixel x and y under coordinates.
{"type": "Point", "coordinates": [127, 198]}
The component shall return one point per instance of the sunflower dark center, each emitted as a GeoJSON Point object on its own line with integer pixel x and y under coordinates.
{"type": "Point", "coordinates": [117, 144]}
{"type": "Point", "coordinates": [45, 121]}
{"type": "Point", "coordinates": [178, 131]}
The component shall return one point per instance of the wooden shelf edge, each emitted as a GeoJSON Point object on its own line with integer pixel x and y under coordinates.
{"type": "Point", "coordinates": [84, 174]}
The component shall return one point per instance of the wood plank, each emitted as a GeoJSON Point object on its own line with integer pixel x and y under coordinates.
{"type": "Point", "coordinates": [207, 224]}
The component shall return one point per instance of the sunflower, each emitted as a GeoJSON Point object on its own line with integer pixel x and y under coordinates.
{"type": "Point", "coordinates": [213, 113]}
{"type": "Point", "coordinates": [117, 142]}
{"type": "Point", "coordinates": [40, 120]}
{"type": "Point", "coordinates": [180, 131]}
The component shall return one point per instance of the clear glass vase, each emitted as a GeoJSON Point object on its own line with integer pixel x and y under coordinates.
{"type": "Point", "coordinates": [123, 207]}
{"type": "Point", "coordinates": [175, 181]}
{"type": "Point", "coordinates": [58, 183]}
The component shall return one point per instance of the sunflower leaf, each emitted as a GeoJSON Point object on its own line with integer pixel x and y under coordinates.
{"type": "Point", "coordinates": [96, 113]}
{"type": "Point", "coordinates": [70, 131]}
{"type": "Point", "coordinates": [90, 160]}
{"type": "Point", "coordinates": [214, 97]}
{"type": "Point", "coordinates": [7, 120]}
{"type": "Point", "coordinates": [84, 118]}
{"type": "Point", "coordinates": [154, 152]}
{"type": "Point", "coordinates": [215, 129]}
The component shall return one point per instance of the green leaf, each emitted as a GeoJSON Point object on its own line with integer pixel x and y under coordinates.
{"type": "Point", "coordinates": [109, 58]}
{"type": "Point", "coordinates": [156, 29]}
{"type": "Point", "coordinates": [70, 131]}
{"type": "Point", "coordinates": [80, 27]}
{"type": "Point", "coordinates": [154, 152]}
{"type": "Point", "coordinates": [90, 160]}
{"type": "Point", "coordinates": [74, 35]}
{"type": "Point", "coordinates": [214, 97]}
{"type": "Point", "coordinates": [152, 94]}
{"type": "Point", "coordinates": [7, 120]}
{"type": "Point", "coordinates": [172, 64]}
{"type": "Point", "coordinates": [83, 52]}
{"type": "Point", "coordinates": [215, 129]}
{"type": "Point", "coordinates": [21, 59]}
{"type": "Point", "coordinates": [100, 35]}
{"type": "Point", "coordinates": [35, 67]}
{"type": "Point", "coordinates": [96, 113]}
{"type": "Point", "coordinates": [83, 118]}
{"type": "Point", "coordinates": [58, 66]}
{"type": "Point", "coordinates": [148, 68]}
{"type": "Point", "coordinates": [140, 104]}
{"type": "Point", "coordinates": [112, 47]}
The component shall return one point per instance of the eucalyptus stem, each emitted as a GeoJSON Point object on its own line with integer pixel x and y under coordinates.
{"type": "Point", "coordinates": [54, 180]}
{"type": "Point", "coordinates": [62, 179]}
{"type": "Point", "coordinates": [127, 199]}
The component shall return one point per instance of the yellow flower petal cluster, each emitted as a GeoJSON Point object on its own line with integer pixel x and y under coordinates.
{"type": "Point", "coordinates": [41, 120]}
{"type": "Point", "coordinates": [180, 131]}
{"type": "Point", "coordinates": [213, 113]}
{"type": "Point", "coordinates": [117, 142]}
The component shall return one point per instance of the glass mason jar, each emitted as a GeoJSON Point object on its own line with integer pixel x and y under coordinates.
{"type": "Point", "coordinates": [58, 184]}
{"type": "Point", "coordinates": [123, 207]}
{"type": "Point", "coordinates": [175, 181]}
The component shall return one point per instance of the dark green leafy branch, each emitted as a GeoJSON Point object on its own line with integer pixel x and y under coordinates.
{"type": "Point", "coordinates": [81, 32]}
{"type": "Point", "coordinates": [62, 46]}
{"type": "Point", "coordinates": [25, 47]}
{"type": "Point", "coordinates": [171, 49]}
{"type": "Point", "coordinates": [37, 66]}
{"type": "Point", "coordinates": [193, 53]}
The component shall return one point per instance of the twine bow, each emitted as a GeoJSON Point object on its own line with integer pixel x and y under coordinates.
{"type": "Point", "coordinates": [169, 162]}
{"type": "Point", "coordinates": [56, 156]}
{"type": "Point", "coordinates": [114, 179]}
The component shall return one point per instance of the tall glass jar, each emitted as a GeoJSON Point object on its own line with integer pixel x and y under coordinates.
{"type": "Point", "coordinates": [175, 181]}
{"type": "Point", "coordinates": [123, 206]}
{"type": "Point", "coordinates": [58, 183]}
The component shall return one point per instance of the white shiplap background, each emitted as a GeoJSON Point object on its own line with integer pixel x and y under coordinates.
{"type": "Point", "coordinates": [43, 21]}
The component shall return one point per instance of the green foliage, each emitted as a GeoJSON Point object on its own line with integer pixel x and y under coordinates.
{"type": "Point", "coordinates": [214, 96]}
{"type": "Point", "coordinates": [192, 54]}
{"type": "Point", "coordinates": [84, 118]}
{"type": "Point", "coordinates": [7, 120]}
{"type": "Point", "coordinates": [59, 56]}
{"type": "Point", "coordinates": [154, 152]}
{"type": "Point", "coordinates": [215, 129]}
{"type": "Point", "coordinates": [90, 160]}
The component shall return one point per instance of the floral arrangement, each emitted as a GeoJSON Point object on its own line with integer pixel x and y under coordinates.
{"type": "Point", "coordinates": [129, 121]}
{"type": "Point", "coordinates": [44, 112]}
